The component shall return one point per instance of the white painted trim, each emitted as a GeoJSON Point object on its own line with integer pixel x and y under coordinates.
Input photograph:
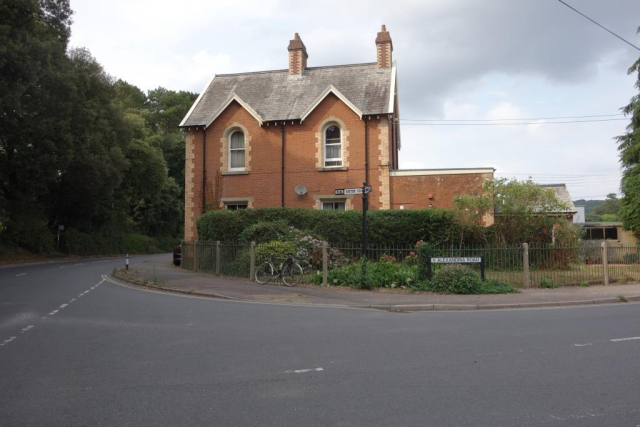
{"type": "Point", "coordinates": [431, 172]}
{"type": "Point", "coordinates": [196, 102]}
{"type": "Point", "coordinates": [324, 94]}
{"type": "Point", "coordinates": [324, 147]}
{"type": "Point", "coordinates": [392, 92]}
{"type": "Point", "coordinates": [234, 97]}
{"type": "Point", "coordinates": [244, 149]}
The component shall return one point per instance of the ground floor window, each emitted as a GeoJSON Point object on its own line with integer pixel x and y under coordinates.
{"type": "Point", "coordinates": [334, 205]}
{"type": "Point", "coordinates": [601, 233]}
{"type": "Point", "coordinates": [236, 205]}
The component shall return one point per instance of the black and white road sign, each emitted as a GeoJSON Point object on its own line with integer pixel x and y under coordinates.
{"type": "Point", "coordinates": [347, 191]}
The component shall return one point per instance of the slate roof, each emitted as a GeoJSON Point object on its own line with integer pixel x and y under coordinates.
{"type": "Point", "coordinates": [563, 196]}
{"type": "Point", "coordinates": [275, 95]}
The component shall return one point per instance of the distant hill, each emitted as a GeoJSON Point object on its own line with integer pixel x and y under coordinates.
{"type": "Point", "coordinates": [588, 204]}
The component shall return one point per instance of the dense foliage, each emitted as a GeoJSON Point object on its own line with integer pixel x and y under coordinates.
{"type": "Point", "coordinates": [458, 279]}
{"type": "Point", "coordinates": [371, 275]}
{"type": "Point", "coordinates": [79, 149]}
{"type": "Point", "coordinates": [629, 147]}
{"type": "Point", "coordinates": [524, 212]}
{"type": "Point", "coordinates": [393, 227]}
{"type": "Point", "coordinates": [608, 210]}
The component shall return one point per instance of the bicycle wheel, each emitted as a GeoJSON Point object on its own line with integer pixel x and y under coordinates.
{"type": "Point", "coordinates": [292, 274]}
{"type": "Point", "coordinates": [264, 273]}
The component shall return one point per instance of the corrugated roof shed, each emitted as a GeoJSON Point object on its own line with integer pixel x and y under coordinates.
{"type": "Point", "coordinates": [275, 95]}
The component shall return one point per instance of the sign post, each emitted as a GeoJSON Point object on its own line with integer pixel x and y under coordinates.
{"type": "Point", "coordinates": [364, 190]}
{"type": "Point", "coordinates": [365, 206]}
{"type": "Point", "coordinates": [60, 228]}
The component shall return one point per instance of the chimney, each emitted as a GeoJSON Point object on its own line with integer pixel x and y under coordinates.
{"type": "Point", "coordinates": [297, 56]}
{"type": "Point", "coordinates": [384, 47]}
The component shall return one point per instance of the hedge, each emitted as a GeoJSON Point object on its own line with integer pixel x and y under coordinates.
{"type": "Point", "coordinates": [435, 226]}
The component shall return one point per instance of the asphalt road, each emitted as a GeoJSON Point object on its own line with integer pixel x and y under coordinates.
{"type": "Point", "coordinates": [115, 356]}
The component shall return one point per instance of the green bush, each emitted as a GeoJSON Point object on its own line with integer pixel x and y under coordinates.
{"type": "Point", "coordinates": [376, 275]}
{"type": "Point", "coordinates": [264, 231]}
{"type": "Point", "coordinates": [547, 283]}
{"type": "Point", "coordinates": [458, 279]}
{"type": "Point", "coordinates": [385, 226]}
{"type": "Point", "coordinates": [276, 248]}
{"type": "Point", "coordinates": [32, 234]}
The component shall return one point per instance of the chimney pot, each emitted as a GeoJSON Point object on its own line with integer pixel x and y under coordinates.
{"type": "Point", "coordinates": [384, 48]}
{"type": "Point", "coordinates": [297, 56]}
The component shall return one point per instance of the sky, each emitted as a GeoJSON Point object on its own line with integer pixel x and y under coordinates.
{"type": "Point", "coordinates": [456, 60]}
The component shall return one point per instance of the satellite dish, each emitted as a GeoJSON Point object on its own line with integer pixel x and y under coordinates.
{"type": "Point", "coordinates": [301, 190]}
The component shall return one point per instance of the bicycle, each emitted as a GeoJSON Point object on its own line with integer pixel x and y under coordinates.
{"type": "Point", "coordinates": [290, 271]}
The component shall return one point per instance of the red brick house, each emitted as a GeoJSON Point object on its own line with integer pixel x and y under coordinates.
{"type": "Point", "coordinates": [291, 137]}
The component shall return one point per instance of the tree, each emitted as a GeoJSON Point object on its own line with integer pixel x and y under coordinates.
{"type": "Point", "coordinates": [629, 147]}
{"type": "Point", "coordinates": [35, 111]}
{"type": "Point", "coordinates": [524, 211]}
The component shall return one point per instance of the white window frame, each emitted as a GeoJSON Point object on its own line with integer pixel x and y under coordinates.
{"type": "Point", "coordinates": [324, 146]}
{"type": "Point", "coordinates": [333, 202]}
{"type": "Point", "coordinates": [244, 149]}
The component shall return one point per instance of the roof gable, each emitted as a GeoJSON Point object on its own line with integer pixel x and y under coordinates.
{"type": "Point", "coordinates": [275, 95]}
{"type": "Point", "coordinates": [326, 93]}
{"type": "Point", "coordinates": [225, 104]}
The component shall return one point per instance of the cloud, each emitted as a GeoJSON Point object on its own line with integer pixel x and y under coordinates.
{"type": "Point", "coordinates": [456, 59]}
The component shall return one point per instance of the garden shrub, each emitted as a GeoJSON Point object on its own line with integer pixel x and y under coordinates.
{"type": "Point", "coordinates": [376, 275]}
{"type": "Point", "coordinates": [458, 279]}
{"type": "Point", "coordinates": [547, 283]}
{"type": "Point", "coordinates": [385, 226]}
{"type": "Point", "coordinates": [276, 248]}
{"type": "Point", "coordinates": [264, 231]}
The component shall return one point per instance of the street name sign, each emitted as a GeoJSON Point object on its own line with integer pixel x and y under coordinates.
{"type": "Point", "coordinates": [454, 260]}
{"type": "Point", "coordinates": [457, 260]}
{"type": "Point", "coordinates": [349, 191]}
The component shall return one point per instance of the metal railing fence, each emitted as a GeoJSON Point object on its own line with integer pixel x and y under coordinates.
{"type": "Point", "coordinates": [535, 265]}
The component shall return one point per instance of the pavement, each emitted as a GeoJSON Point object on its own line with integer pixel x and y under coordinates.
{"type": "Point", "coordinates": [159, 273]}
{"type": "Point", "coordinates": [77, 349]}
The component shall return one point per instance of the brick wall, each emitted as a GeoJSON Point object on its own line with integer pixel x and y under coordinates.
{"type": "Point", "coordinates": [262, 181]}
{"type": "Point", "coordinates": [414, 191]}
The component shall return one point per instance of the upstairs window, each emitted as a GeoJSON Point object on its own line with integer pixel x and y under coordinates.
{"type": "Point", "coordinates": [332, 147]}
{"type": "Point", "coordinates": [236, 151]}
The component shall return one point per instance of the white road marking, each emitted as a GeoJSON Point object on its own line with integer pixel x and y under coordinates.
{"type": "Point", "coordinates": [64, 266]}
{"type": "Point", "coordinates": [7, 341]}
{"type": "Point", "coordinates": [625, 339]}
{"type": "Point", "coordinates": [63, 305]}
{"type": "Point", "coordinates": [27, 328]}
{"type": "Point", "coordinates": [583, 345]}
{"type": "Point", "coordinates": [80, 295]}
{"type": "Point", "coordinates": [301, 371]}
{"type": "Point", "coordinates": [53, 312]}
{"type": "Point", "coordinates": [21, 274]}
{"type": "Point", "coordinates": [78, 264]}
{"type": "Point", "coordinates": [71, 300]}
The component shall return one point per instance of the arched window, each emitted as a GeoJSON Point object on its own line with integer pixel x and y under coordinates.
{"type": "Point", "coordinates": [236, 151]}
{"type": "Point", "coordinates": [332, 146]}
